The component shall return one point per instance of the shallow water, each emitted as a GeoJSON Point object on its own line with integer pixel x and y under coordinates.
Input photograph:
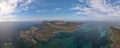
{"type": "Point", "coordinates": [84, 37]}
{"type": "Point", "coordinates": [90, 35]}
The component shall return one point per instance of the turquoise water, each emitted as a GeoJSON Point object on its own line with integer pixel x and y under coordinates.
{"type": "Point", "coordinates": [90, 35]}
{"type": "Point", "coordinates": [85, 37]}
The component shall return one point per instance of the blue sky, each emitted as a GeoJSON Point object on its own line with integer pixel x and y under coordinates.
{"type": "Point", "coordinates": [73, 10]}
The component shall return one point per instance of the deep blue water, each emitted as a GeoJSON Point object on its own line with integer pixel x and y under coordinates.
{"type": "Point", "coordinates": [9, 32]}
{"type": "Point", "coordinates": [89, 35]}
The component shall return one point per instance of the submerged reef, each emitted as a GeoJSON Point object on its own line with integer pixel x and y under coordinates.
{"type": "Point", "coordinates": [60, 34]}
{"type": "Point", "coordinates": [41, 33]}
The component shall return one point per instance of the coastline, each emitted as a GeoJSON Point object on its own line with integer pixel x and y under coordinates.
{"type": "Point", "coordinates": [49, 29]}
{"type": "Point", "coordinates": [114, 37]}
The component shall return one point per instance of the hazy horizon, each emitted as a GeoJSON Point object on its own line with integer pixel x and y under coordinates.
{"type": "Point", "coordinates": [78, 10]}
{"type": "Point", "coordinates": [59, 23]}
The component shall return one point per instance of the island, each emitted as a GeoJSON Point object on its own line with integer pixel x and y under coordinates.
{"type": "Point", "coordinates": [115, 37]}
{"type": "Point", "coordinates": [41, 32]}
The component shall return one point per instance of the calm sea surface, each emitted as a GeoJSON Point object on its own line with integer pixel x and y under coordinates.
{"type": "Point", "coordinates": [90, 35]}
{"type": "Point", "coordinates": [9, 32]}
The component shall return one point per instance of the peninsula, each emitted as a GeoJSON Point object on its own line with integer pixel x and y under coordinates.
{"type": "Point", "coordinates": [42, 31]}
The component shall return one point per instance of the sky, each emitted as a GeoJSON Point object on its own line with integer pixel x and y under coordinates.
{"type": "Point", "coordinates": [70, 10]}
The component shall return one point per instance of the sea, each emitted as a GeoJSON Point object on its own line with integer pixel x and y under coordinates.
{"type": "Point", "coordinates": [92, 34]}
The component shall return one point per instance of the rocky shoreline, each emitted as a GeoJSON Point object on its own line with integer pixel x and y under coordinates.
{"type": "Point", "coordinates": [115, 37]}
{"type": "Point", "coordinates": [40, 32]}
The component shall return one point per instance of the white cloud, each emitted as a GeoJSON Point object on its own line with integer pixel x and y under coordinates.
{"type": "Point", "coordinates": [8, 7]}
{"type": "Point", "coordinates": [100, 9]}
{"type": "Point", "coordinates": [41, 11]}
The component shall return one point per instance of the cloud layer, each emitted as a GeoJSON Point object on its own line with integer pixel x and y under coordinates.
{"type": "Point", "coordinates": [99, 9]}
{"type": "Point", "coordinates": [91, 9]}
{"type": "Point", "coordinates": [8, 7]}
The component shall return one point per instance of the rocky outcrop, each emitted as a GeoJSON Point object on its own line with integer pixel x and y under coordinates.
{"type": "Point", "coordinates": [35, 34]}
{"type": "Point", "coordinates": [115, 37]}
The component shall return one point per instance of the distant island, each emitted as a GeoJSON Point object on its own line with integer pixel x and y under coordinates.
{"type": "Point", "coordinates": [40, 32]}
